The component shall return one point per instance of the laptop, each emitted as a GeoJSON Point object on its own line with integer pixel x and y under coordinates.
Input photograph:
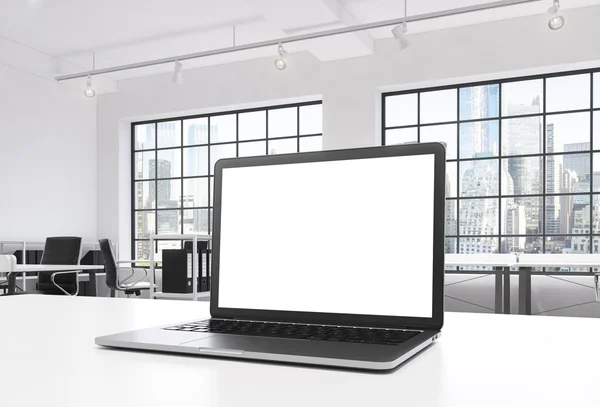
{"type": "Point", "coordinates": [332, 258]}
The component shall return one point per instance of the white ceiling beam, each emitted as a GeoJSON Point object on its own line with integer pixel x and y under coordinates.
{"type": "Point", "coordinates": [296, 17]}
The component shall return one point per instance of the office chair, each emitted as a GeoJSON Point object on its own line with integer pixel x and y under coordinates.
{"type": "Point", "coordinates": [57, 250]}
{"type": "Point", "coordinates": [60, 250]}
{"type": "Point", "coordinates": [112, 273]}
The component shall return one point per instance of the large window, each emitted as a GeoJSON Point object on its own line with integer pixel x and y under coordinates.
{"type": "Point", "coordinates": [523, 159]}
{"type": "Point", "coordinates": [173, 162]}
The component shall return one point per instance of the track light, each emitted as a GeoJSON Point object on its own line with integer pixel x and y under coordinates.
{"type": "Point", "coordinates": [556, 20]}
{"type": "Point", "coordinates": [281, 60]}
{"type": "Point", "coordinates": [89, 90]}
{"type": "Point", "coordinates": [178, 73]}
{"type": "Point", "coordinates": [399, 33]}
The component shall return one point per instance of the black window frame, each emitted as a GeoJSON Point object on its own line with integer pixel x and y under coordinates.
{"type": "Point", "coordinates": [593, 196]}
{"type": "Point", "coordinates": [210, 174]}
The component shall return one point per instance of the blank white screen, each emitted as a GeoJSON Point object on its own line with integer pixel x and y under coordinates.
{"type": "Point", "coordinates": [351, 237]}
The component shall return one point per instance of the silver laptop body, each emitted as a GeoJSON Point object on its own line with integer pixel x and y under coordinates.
{"type": "Point", "coordinates": [347, 241]}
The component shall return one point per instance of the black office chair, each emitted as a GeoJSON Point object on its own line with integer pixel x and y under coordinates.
{"type": "Point", "coordinates": [57, 250]}
{"type": "Point", "coordinates": [112, 273]}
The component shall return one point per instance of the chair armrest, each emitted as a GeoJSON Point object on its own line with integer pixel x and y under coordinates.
{"type": "Point", "coordinates": [53, 275]}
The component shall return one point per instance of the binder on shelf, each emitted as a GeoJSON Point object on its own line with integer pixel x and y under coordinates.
{"type": "Point", "coordinates": [177, 271]}
{"type": "Point", "coordinates": [203, 277]}
{"type": "Point", "coordinates": [92, 258]}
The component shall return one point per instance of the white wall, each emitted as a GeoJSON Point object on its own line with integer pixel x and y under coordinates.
{"type": "Point", "coordinates": [48, 162]}
{"type": "Point", "coordinates": [350, 89]}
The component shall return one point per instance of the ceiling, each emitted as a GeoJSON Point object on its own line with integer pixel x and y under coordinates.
{"type": "Point", "coordinates": [58, 36]}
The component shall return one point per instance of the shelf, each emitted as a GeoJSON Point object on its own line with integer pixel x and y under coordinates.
{"type": "Point", "coordinates": [181, 236]}
{"type": "Point", "coordinates": [186, 296]}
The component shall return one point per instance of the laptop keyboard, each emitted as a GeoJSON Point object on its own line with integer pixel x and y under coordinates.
{"type": "Point", "coordinates": [299, 331]}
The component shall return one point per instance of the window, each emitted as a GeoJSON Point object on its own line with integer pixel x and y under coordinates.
{"type": "Point", "coordinates": [523, 159]}
{"type": "Point", "coordinates": [173, 162]}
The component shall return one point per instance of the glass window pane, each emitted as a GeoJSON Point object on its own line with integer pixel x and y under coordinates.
{"type": "Point", "coordinates": [596, 173]}
{"type": "Point", "coordinates": [567, 129]}
{"type": "Point", "coordinates": [144, 195]}
{"type": "Point", "coordinates": [166, 245]}
{"type": "Point", "coordinates": [314, 143]}
{"type": "Point", "coordinates": [522, 244]}
{"type": "Point", "coordinates": [522, 176]}
{"type": "Point", "coordinates": [283, 146]}
{"type": "Point", "coordinates": [252, 125]}
{"type": "Point", "coordinates": [211, 185]}
{"type": "Point", "coordinates": [567, 214]}
{"type": "Point", "coordinates": [557, 244]}
{"type": "Point", "coordinates": [144, 136]}
{"type": "Point", "coordinates": [523, 97]}
{"type": "Point", "coordinates": [450, 245]}
{"type": "Point", "coordinates": [220, 151]}
{"type": "Point", "coordinates": [451, 179]}
{"type": "Point", "coordinates": [222, 128]}
{"type": "Point", "coordinates": [195, 131]}
{"type": "Point", "coordinates": [451, 214]}
{"type": "Point", "coordinates": [596, 217]}
{"type": "Point", "coordinates": [597, 89]}
{"type": "Point", "coordinates": [473, 245]}
{"type": "Point", "coordinates": [142, 250]}
{"type": "Point", "coordinates": [168, 193]}
{"type": "Point", "coordinates": [195, 221]}
{"type": "Point", "coordinates": [522, 136]}
{"type": "Point", "coordinates": [479, 178]}
{"type": "Point", "coordinates": [479, 102]}
{"type": "Point", "coordinates": [438, 106]}
{"type": "Point", "coordinates": [169, 163]}
{"type": "Point", "coordinates": [401, 110]}
{"type": "Point", "coordinates": [195, 192]}
{"type": "Point", "coordinates": [252, 149]}
{"type": "Point", "coordinates": [568, 93]}
{"type": "Point", "coordinates": [596, 135]}
{"type": "Point", "coordinates": [479, 139]}
{"type": "Point", "coordinates": [143, 169]}
{"type": "Point", "coordinates": [567, 173]}
{"type": "Point", "coordinates": [311, 119]}
{"type": "Point", "coordinates": [169, 134]}
{"type": "Point", "coordinates": [478, 216]}
{"type": "Point", "coordinates": [168, 221]}
{"type": "Point", "coordinates": [144, 224]}
{"type": "Point", "coordinates": [283, 122]}
{"type": "Point", "coordinates": [521, 216]}
{"type": "Point", "coordinates": [195, 161]}
{"type": "Point", "coordinates": [401, 136]}
{"type": "Point", "coordinates": [445, 134]}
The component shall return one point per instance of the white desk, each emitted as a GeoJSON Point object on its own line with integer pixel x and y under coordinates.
{"type": "Point", "coordinates": [37, 268]}
{"type": "Point", "coordinates": [500, 263]}
{"type": "Point", "coordinates": [481, 360]}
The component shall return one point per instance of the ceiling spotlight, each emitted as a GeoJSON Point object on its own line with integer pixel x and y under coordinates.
{"type": "Point", "coordinates": [399, 33]}
{"type": "Point", "coordinates": [89, 90]}
{"type": "Point", "coordinates": [280, 61]}
{"type": "Point", "coordinates": [178, 73]}
{"type": "Point", "coordinates": [556, 20]}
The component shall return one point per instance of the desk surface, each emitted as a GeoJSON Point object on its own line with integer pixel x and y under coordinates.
{"type": "Point", "coordinates": [481, 360]}
{"type": "Point", "coordinates": [34, 268]}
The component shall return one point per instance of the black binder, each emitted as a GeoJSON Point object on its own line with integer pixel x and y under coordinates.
{"type": "Point", "coordinates": [177, 271]}
{"type": "Point", "coordinates": [203, 266]}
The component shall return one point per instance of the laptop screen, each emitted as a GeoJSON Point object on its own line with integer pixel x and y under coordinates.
{"type": "Point", "coordinates": [348, 236]}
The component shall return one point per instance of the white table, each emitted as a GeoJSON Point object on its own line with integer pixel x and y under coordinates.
{"type": "Point", "coordinates": [500, 263]}
{"type": "Point", "coordinates": [481, 360]}
{"type": "Point", "coordinates": [525, 262]}
{"type": "Point", "coordinates": [37, 268]}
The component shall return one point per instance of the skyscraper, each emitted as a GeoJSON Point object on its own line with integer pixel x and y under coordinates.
{"type": "Point", "coordinates": [552, 202]}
